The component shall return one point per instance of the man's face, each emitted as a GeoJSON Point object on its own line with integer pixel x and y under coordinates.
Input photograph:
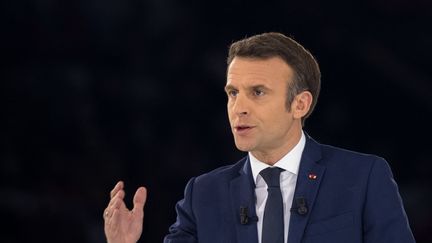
{"type": "Point", "coordinates": [259, 118]}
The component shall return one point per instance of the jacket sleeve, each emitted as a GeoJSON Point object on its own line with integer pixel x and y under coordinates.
{"type": "Point", "coordinates": [385, 220]}
{"type": "Point", "coordinates": [184, 229]}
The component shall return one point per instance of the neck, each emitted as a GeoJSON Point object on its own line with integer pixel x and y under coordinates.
{"type": "Point", "coordinates": [271, 156]}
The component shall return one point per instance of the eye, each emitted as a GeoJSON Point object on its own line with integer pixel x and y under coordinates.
{"type": "Point", "coordinates": [232, 93]}
{"type": "Point", "coordinates": [258, 92]}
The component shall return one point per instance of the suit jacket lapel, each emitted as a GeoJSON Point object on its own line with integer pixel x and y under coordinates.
{"type": "Point", "coordinates": [242, 191]}
{"type": "Point", "coordinates": [308, 182]}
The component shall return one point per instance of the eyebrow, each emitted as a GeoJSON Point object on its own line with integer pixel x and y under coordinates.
{"type": "Point", "coordinates": [258, 86]}
{"type": "Point", "coordinates": [229, 87]}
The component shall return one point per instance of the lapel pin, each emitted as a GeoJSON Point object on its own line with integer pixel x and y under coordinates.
{"type": "Point", "coordinates": [312, 176]}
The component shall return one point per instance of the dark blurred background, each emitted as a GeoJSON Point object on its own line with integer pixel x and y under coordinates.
{"type": "Point", "coordinates": [98, 91]}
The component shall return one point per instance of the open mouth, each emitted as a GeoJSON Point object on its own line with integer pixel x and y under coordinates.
{"type": "Point", "coordinates": [242, 129]}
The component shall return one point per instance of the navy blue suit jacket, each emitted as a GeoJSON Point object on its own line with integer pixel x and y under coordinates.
{"type": "Point", "coordinates": [353, 199]}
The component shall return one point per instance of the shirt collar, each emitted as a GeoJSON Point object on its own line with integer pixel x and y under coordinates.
{"type": "Point", "coordinates": [290, 162]}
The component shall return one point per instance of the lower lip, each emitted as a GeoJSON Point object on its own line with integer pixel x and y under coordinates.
{"type": "Point", "coordinates": [243, 131]}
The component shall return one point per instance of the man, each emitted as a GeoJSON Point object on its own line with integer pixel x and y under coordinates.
{"type": "Point", "coordinates": [289, 188]}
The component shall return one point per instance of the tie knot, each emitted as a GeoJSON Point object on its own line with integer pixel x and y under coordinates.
{"type": "Point", "coordinates": [271, 176]}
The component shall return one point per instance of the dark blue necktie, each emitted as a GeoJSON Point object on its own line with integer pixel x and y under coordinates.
{"type": "Point", "coordinates": [273, 222]}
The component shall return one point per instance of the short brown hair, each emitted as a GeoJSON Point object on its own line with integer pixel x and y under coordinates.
{"type": "Point", "coordinates": [307, 75]}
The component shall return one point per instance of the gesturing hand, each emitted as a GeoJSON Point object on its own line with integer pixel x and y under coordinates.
{"type": "Point", "coordinates": [121, 224]}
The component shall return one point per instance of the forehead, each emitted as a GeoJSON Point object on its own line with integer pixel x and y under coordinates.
{"type": "Point", "coordinates": [253, 70]}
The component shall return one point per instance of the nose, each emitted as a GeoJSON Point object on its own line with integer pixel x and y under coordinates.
{"type": "Point", "coordinates": [240, 105]}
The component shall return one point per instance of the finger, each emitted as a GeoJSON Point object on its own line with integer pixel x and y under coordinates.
{"type": "Point", "coordinates": [118, 196]}
{"type": "Point", "coordinates": [119, 186]}
{"type": "Point", "coordinates": [105, 215]}
{"type": "Point", "coordinates": [113, 222]}
{"type": "Point", "coordinates": [115, 203]}
{"type": "Point", "coordinates": [139, 201]}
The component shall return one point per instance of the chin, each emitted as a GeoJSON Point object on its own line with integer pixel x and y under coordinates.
{"type": "Point", "coordinates": [244, 147]}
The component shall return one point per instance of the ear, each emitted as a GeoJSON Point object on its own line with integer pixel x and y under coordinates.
{"type": "Point", "coordinates": [301, 104]}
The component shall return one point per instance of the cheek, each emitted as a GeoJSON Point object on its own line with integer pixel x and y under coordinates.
{"type": "Point", "coordinates": [230, 115]}
{"type": "Point", "coordinates": [229, 105]}
{"type": "Point", "coordinates": [272, 113]}
{"type": "Point", "coordinates": [229, 110]}
{"type": "Point", "coordinates": [279, 118]}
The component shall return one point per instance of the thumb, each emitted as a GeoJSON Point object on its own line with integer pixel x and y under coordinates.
{"type": "Point", "coordinates": [139, 200]}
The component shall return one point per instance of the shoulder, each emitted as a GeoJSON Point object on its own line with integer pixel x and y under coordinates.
{"type": "Point", "coordinates": [213, 186]}
{"type": "Point", "coordinates": [345, 160]}
{"type": "Point", "coordinates": [226, 172]}
{"type": "Point", "coordinates": [329, 152]}
{"type": "Point", "coordinates": [351, 170]}
{"type": "Point", "coordinates": [332, 152]}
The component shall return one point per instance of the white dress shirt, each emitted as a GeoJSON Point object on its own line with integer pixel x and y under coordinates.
{"type": "Point", "coordinates": [288, 178]}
